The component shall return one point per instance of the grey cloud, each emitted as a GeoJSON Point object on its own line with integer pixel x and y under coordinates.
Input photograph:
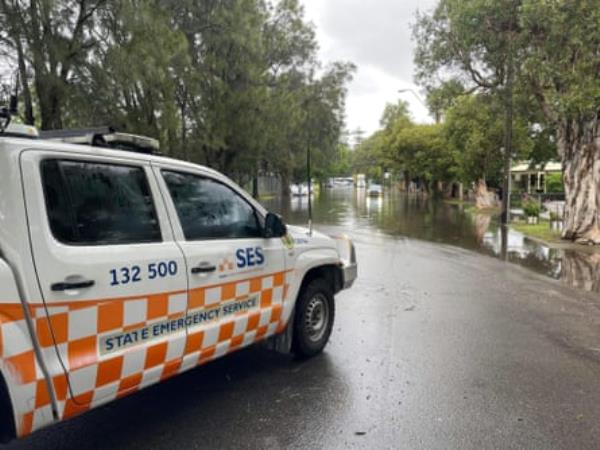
{"type": "Point", "coordinates": [375, 32]}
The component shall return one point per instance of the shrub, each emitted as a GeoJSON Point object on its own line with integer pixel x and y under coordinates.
{"type": "Point", "coordinates": [531, 208]}
{"type": "Point", "coordinates": [555, 183]}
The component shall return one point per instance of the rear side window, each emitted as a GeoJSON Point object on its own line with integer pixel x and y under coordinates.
{"type": "Point", "coordinates": [99, 204]}
{"type": "Point", "coordinates": [208, 209]}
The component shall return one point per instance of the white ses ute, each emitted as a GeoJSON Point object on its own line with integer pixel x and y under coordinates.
{"type": "Point", "coordinates": [120, 269]}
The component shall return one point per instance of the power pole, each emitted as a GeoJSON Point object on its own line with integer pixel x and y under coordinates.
{"type": "Point", "coordinates": [508, 132]}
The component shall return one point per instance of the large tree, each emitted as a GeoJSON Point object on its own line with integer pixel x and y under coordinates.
{"type": "Point", "coordinates": [553, 50]}
{"type": "Point", "coordinates": [562, 68]}
{"type": "Point", "coordinates": [475, 131]}
{"type": "Point", "coordinates": [51, 38]}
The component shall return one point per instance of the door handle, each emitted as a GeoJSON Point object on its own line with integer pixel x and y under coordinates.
{"type": "Point", "coordinates": [204, 268]}
{"type": "Point", "coordinates": [66, 285]}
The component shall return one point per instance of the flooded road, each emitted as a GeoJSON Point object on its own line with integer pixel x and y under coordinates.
{"type": "Point", "coordinates": [412, 216]}
{"type": "Point", "coordinates": [436, 346]}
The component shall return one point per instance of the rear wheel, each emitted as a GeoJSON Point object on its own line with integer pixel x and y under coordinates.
{"type": "Point", "coordinates": [313, 319]}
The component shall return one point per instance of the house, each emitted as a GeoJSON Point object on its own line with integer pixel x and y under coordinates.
{"type": "Point", "coordinates": [531, 178]}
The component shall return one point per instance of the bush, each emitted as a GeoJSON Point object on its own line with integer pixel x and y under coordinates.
{"type": "Point", "coordinates": [531, 208]}
{"type": "Point", "coordinates": [555, 183]}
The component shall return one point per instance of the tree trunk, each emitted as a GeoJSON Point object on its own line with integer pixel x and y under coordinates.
{"type": "Point", "coordinates": [50, 102]}
{"type": "Point", "coordinates": [484, 199]}
{"type": "Point", "coordinates": [581, 269]}
{"type": "Point", "coordinates": [406, 182]}
{"type": "Point", "coordinates": [579, 147]}
{"type": "Point", "coordinates": [29, 117]}
{"type": "Point", "coordinates": [286, 178]}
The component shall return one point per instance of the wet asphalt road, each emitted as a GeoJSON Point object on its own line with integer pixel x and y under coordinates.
{"type": "Point", "coordinates": [434, 347]}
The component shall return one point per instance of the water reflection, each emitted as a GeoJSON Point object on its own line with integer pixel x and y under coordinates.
{"type": "Point", "coordinates": [414, 216]}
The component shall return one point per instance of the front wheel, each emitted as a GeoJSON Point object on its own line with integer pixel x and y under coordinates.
{"type": "Point", "coordinates": [313, 318]}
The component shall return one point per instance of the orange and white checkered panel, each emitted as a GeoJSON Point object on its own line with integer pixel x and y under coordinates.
{"type": "Point", "coordinates": [79, 329]}
{"type": "Point", "coordinates": [31, 400]}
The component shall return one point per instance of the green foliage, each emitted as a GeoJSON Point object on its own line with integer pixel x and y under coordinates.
{"type": "Point", "coordinates": [475, 129]}
{"type": "Point", "coordinates": [531, 208]}
{"type": "Point", "coordinates": [229, 83]}
{"type": "Point", "coordinates": [555, 183]}
{"type": "Point", "coordinates": [416, 151]}
{"type": "Point", "coordinates": [553, 46]}
{"type": "Point", "coordinates": [441, 98]}
{"type": "Point", "coordinates": [562, 63]}
{"type": "Point", "coordinates": [395, 115]}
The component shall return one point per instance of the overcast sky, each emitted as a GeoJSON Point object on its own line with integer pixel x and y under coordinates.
{"type": "Point", "coordinates": [376, 36]}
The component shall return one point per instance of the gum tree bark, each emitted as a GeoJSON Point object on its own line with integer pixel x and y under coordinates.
{"type": "Point", "coordinates": [484, 199]}
{"type": "Point", "coordinates": [581, 269]}
{"type": "Point", "coordinates": [579, 146]}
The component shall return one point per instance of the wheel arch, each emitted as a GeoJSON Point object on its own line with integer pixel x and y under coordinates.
{"type": "Point", "coordinates": [332, 273]}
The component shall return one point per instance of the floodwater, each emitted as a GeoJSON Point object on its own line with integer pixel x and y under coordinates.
{"type": "Point", "coordinates": [417, 217]}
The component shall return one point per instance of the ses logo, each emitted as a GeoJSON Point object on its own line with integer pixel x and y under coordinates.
{"type": "Point", "coordinates": [249, 257]}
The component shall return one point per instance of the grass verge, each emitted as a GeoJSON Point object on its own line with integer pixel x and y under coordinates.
{"type": "Point", "coordinates": [471, 208]}
{"type": "Point", "coordinates": [540, 231]}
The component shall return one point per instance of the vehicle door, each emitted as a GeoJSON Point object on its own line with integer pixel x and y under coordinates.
{"type": "Point", "coordinates": [237, 277]}
{"type": "Point", "coordinates": [112, 278]}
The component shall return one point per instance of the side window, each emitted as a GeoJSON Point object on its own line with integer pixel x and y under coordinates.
{"type": "Point", "coordinates": [208, 209]}
{"type": "Point", "coordinates": [98, 204]}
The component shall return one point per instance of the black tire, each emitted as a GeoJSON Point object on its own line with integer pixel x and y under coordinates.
{"type": "Point", "coordinates": [313, 318]}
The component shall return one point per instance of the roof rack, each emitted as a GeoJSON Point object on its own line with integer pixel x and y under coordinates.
{"type": "Point", "coordinates": [106, 137]}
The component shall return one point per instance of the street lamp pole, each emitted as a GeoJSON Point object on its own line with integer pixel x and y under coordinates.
{"type": "Point", "coordinates": [421, 101]}
{"type": "Point", "coordinates": [417, 96]}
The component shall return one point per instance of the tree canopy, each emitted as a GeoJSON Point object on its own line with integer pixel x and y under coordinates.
{"type": "Point", "coordinates": [234, 84]}
{"type": "Point", "coordinates": [552, 49]}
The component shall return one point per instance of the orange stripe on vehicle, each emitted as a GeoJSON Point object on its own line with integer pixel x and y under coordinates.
{"type": "Point", "coordinates": [276, 313]}
{"type": "Point", "coordinates": [42, 396]}
{"type": "Point", "coordinates": [196, 298]}
{"type": "Point", "coordinates": [42, 328]}
{"type": "Point", "coordinates": [130, 383]}
{"type": "Point", "coordinates": [23, 367]}
{"type": "Point", "coordinates": [77, 405]}
{"type": "Point", "coordinates": [11, 312]}
{"type": "Point", "coordinates": [278, 279]}
{"type": "Point", "coordinates": [253, 321]}
{"type": "Point", "coordinates": [236, 341]}
{"type": "Point", "coordinates": [228, 291]}
{"type": "Point", "coordinates": [26, 424]}
{"type": "Point", "coordinates": [207, 354]}
{"type": "Point", "coordinates": [158, 306]}
{"type": "Point", "coordinates": [109, 371]}
{"type": "Point", "coordinates": [171, 368]}
{"type": "Point", "coordinates": [82, 352]}
{"type": "Point", "coordinates": [156, 355]}
{"type": "Point", "coordinates": [60, 387]}
{"type": "Point", "coordinates": [110, 316]}
{"type": "Point", "coordinates": [226, 331]}
{"type": "Point", "coordinates": [255, 285]}
{"type": "Point", "coordinates": [194, 342]}
{"type": "Point", "coordinates": [261, 332]}
{"type": "Point", "coordinates": [266, 298]}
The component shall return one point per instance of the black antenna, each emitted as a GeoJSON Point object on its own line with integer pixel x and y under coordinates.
{"type": "Point", "coordinates": [309, 187]}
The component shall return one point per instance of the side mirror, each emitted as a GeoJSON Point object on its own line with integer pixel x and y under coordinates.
{"type": "Point", "coordinates": [274, 226]}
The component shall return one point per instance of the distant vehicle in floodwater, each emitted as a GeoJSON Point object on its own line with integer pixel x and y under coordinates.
{"type": "Point", "coordinates": [361, 181]}
{"type": "Point", "coordinates": [375, 190]}
{"type": "Point", "coordinates": [299, 190]}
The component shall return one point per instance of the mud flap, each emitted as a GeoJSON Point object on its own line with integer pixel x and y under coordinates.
{"type": "Point", "coordinates": [282, 342]}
